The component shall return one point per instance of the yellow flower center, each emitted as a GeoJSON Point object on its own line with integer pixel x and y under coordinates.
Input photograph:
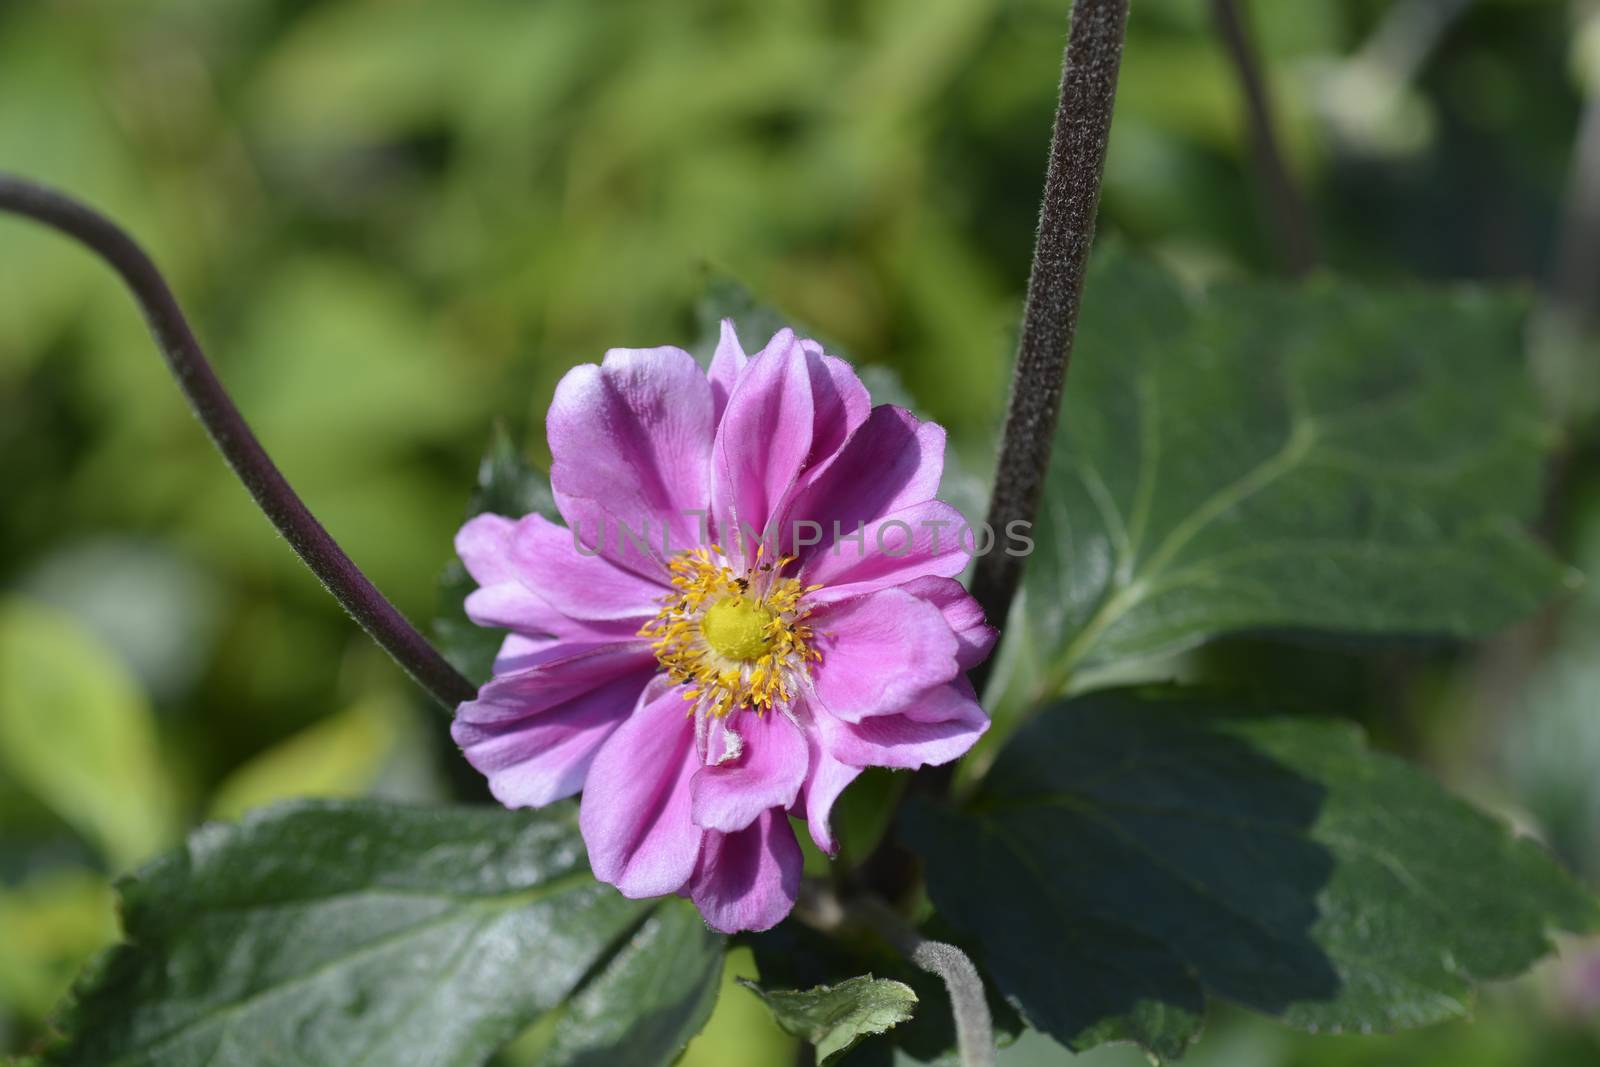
{"type": "Point", "coordinates": [736, 628]}
{"type": "Point", "coordinates": [737, 641]}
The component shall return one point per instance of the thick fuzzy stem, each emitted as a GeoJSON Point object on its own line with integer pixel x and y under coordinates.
{"type": "Point", "coordinates": [1055, 286]}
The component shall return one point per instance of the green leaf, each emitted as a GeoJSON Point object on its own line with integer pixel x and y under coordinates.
{"type": "Point", "coordinates": [795, 956]}
{"type": "Point", "coordinates": [77, 732]}
{"type": "Point", "coordinates": [1134, 854]}
{"type": "Point", "coordinates": [1262, 455]}
{"type": "Point", "coordinates": [643, 1007]}
{"type": "Point", "coordinates": [507, 485]}
{"type": "Point", "coordinates": [835, 1017]}
{"type": "Point", "coordinates": [361, 932]}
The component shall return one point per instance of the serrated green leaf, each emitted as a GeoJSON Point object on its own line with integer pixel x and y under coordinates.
{"type": "Point", "coordinates": [795, 956]}
{"type": "Point", "coordinates": [366, 933]}
{"type": "Point", "coordinates": [1273, 456]}
{"type": "Point", "coordinates": [1133, 854]}
{"type": "Point", "coordinates": [507, 485]}
{"type": "Point", "coordinates": [834, 1018]}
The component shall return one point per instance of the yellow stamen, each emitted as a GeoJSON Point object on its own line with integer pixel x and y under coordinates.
{"type": "Point", "coordinates": [736, 641]}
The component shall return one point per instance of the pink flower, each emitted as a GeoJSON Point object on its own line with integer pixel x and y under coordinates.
{"type": "Point", "coordinates": [760, 602]}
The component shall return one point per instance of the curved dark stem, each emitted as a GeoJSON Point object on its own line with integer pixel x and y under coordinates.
{"type": "Point", "coordinates": [234, 439]}
{"type": "Point", "coordinates": [1286, 206]}
{"type": "Point", "coordinates": [1055, 286]}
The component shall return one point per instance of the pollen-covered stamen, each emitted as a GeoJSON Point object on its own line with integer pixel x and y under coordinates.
{"type": "Point", "coordinates": [736, 640]}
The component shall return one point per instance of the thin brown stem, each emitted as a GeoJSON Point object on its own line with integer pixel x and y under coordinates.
{"type": "Point", "coordinates": [233, 437]}
{"type": "Point", "coordinates": [1055, 286]}
{"type": "Point", "coordinates": [1286, 209]}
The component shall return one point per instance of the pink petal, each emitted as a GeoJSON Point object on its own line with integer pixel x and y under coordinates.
{"type": "Point", "coordinates": [630, 442]}
{"type": "Point", "coordinates": [921, 541]}
{"type": "Point", "coordinates": [577, 584]}
{"type": "Point", "coordinates": [792, 409]}
{"type": "Point", "coordinates": [748, 880]}
{"type": "Point", "coordinates": [955, 702]}
{"type": "Point", "coordinates": [558, 674]}
{"type": "Point", "coordinates": [727, 364]}
{"type": "Point", "coordinates": [826, 778]}
{"type": "Point", "coordinates": [534, 734]}
{"type": "Point", "coordinates": [512, 606]}
{"type": "Point", "coordinates": [502, 600]}
{"type": "Point", "coordinates": [948, 722]}
{"type": "Point", "coordinates": [840, 401]}
{"type": "Point", "coordinates": [879, 652]}
{"type": "Point", "coordinates": [716, 742]}
{"type": "Point", "coordinates": [892, 461]}
{"type": "Point", "coordinates": [975, 636]}
{"type": "Point", "coordinates": [635, 811]}
{"type": "Point", "coordinates": [516, 608]}
{"type": "Point", "coordinates": [518, 652]}
{"type": "Point", "coordinates": [484, 545]}
{"type": "Point", "coordinates": [767, 773]}
{"type": "Point", "coordinates": [762, 442]}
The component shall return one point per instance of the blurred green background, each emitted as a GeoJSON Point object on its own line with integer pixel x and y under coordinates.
{"type": "Point", "coordinates": [395, 224]}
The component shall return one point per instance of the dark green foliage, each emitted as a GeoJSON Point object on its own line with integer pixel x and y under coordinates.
{"type": "Point", "coordinates": [794, 956]}
{"type": "Point", "coordinates": [1259, 455]}
{"type": "Point", "coordinates": [1133, 854]}
{"type": "Point", "coordinates": [366, 933]}
{"type": "Point", "coordinates": [835, 1017]}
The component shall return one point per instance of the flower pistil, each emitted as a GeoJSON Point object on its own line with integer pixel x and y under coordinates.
{"type": "Point", "coordinates": [738, 640]}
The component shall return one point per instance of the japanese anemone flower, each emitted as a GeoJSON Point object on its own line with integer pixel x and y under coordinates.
{"type": "Point", "coordinates": [754, 598]}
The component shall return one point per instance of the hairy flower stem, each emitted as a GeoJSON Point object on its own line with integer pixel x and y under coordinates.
{"type": "Point", "coordinates": [1055, 285]}
{"type": "Point", "coordinates": [820, 907]}
{"type": "Point", "coordinates": [234, 439]}
{"type": "Point", "coordinates": [1286, 206]}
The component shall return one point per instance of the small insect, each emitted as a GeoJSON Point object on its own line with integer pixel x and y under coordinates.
{"type": "Point", "coordinates": [743, 584]}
